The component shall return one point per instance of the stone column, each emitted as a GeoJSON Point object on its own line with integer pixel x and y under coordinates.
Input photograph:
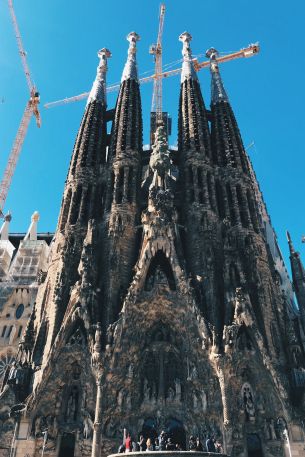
{"type": "Point", "coordinates": [97, 431]}
{"type": "Point", "coordinates": [224, 391]}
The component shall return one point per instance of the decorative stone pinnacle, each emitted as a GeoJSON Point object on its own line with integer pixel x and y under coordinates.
{"type": "Point", "coordinates": [133, 37]}
{"type": "Point", "coordinates": [188, 70]}
{"type": "Point", "coordinates": [104, 53]}
{"type": "Point", "coordinates": [35, 216]}
{"type": "Point", "coordinates": [5, 227]}
{"type": "Point", "coordinates": [98, 91]}
{"type": "Point", "coordinates": [212, 53]}
{"type": "Point", "coordinates": [31, 234]}
{"type": "Point", "coordinates": [130, 70]}
{"type": "Point", "coordinates": [185, 36]}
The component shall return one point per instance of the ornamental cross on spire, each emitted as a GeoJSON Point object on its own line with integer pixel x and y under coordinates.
{"type": "Point", "coordinates": [98, 91]}
{"type": "Point", "coordinates": [188, 70]}
{"type": "Point", "coordinates": [130, 70]}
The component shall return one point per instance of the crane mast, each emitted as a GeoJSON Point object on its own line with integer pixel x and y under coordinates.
{"type": "Point", "coordinates": [14, 155]}
{"type": "Point", "coordinates": [30, 109]}
{"type": "Point", "coordinates": [249, 51]}
{"type": "Point", "coordinates": [156, 50]}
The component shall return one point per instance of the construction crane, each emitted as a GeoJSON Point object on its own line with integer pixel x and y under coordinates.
{"type": "Point", "coordinates": [30, 109]}
{"type": "Point", "coordinates": [249, 51]}
{"type": "Point", "coordinates": [156, 50]}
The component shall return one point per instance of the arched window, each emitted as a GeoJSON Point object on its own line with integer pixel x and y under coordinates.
{"type": "Point", "coordinates": [160, 272]}
{"type": "Point", "coordinates": [19, 311]}
{"type": "Point", "coordinates": [234, 276]}
{"type": "Point", "coordinates": [4, 331]}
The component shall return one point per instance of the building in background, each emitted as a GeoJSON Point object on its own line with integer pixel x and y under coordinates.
{"type": "Point", "coordinates": [23, 264]}
{"type": "Point", "coordinates": [166, 304]}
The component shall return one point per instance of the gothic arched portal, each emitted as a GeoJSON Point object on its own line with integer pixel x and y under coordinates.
{"type": "Point", "coordinates": [254, 445]}
{"type": "Point", "coordinates": [175, 430]}
{"type": "Point", "coordinates": [67, 445]}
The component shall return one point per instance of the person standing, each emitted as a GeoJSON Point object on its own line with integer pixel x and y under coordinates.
{"type": "Point", "coordinates": [210, 444]}
{"type": "Point", "coordinates": [199, 447]}
{"type": "Point", "coordinates": [128, 443]}
{"type": "Point", "coordinates": [218, 447]}
{"type": "Point", "coordinates": [149, 445]}
{"type": "Point", "coordinates": [170, 446]}
{"type": "Point", "coordinates": [192, 443]}
{"type": "Point", "coordinates": [162, 441]}
{"type": "Point", "coordinates": [142, 443]}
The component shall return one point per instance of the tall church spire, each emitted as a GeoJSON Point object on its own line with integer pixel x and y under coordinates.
{"type": "Point", "coordinates": [130, 70]}
{"type": "Point", "coordinates": [193, 124]}
{"type": "Point", "coordinates": [127, 127]}
{"type": "Point", "coordinates": [298, 277]}
{"type": "Point", "coordinates": [227, 145]}
{"type": "Point", "coordinates": [188, 70]}
{"type": "Point", "coordinates": [218, 92]}
{"type": "Point", "coordinates": [88, 154]}
{"type": "Point", "coordinates": [82, 202]}
{"type": "Point", "coordinates": [122, 200]}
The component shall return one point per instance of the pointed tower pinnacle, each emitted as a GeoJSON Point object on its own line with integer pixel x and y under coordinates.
{"type": "Point", "coordinates": [5, 226]}
{"type": "Point", "coordinates": [193, 130]}
{"type": "Point", "coordinates": [298, 278]}
{"type": "Point", "coordinates": [122, 202]}
{"type": "Point", "coordinates": [32, 231]}
{"type": "Point", "coordinates": [291, 247]}
{"type": "Point", "coordinates": [130, 70]}
{"type": "Point", "coordinates": [188, 70]}
{"type": "Point", "coordinates": [218, 92]}
{"type": "Point", "coordinates": [98, 91]}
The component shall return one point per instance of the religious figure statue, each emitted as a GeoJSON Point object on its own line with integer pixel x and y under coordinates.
{"type": "Point", "coordinates": [170, 394]}
{"type": "Point", "coordinates": [248, 402]}
{"type": "Point", "coordinates": [88, 426]}
{"type": "Point", "coordinates": [195, 400]}
{"type": "Point", "coordinates": [38, 424]}
{"type": "Point", "coordinates": [178, 389]}
{"type": "Point", "coordinates": [203, 396]}
{"type": "Point", "coordinates": [130, 371]}
{"type": "Point", "coordinates": [120, 398]}
{"type": "Point", "coordinates": [72, 405]}
{"type": "Point", "coordinates": [146, 390]}
{"type": "Point", "coordinates": [51, 423]}
{"type": "Point", "coordinates": [193, 372]}
{"type": "Point", "coordinates": [266, 430]}
{"type": "Point", "coordinates": [272, 430]}
{"type": "Point", "coordinates": [128, 402]}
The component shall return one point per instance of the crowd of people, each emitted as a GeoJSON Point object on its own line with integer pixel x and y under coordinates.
{"type": "Point", "coordinates": [165, 443]}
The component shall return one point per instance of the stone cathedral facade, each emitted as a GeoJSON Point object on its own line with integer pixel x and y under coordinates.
{"type": "Point", "coordinates": [162, 307]}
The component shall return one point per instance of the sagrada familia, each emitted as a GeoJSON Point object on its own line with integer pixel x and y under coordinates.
{"type": "Point", "coordinates": [162, 301]}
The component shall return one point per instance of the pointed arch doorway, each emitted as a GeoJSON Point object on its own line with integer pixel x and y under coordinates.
{"type": "Point", "coordinates": [175, 430]}
{"type": "Point", "coordinates": [254, 445]}
{"type": "Point", "coordinates": [67, 445]}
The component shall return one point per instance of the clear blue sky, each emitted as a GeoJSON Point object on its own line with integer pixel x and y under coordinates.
{"type": "Point", "coordinates": [62, 38]}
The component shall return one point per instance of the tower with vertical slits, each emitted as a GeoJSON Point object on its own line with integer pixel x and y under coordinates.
{"type": "Point", "coordinates": [162, 308]}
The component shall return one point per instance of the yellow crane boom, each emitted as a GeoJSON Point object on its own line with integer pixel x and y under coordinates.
{"type": "Point", "coordinates": [30, 109]}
